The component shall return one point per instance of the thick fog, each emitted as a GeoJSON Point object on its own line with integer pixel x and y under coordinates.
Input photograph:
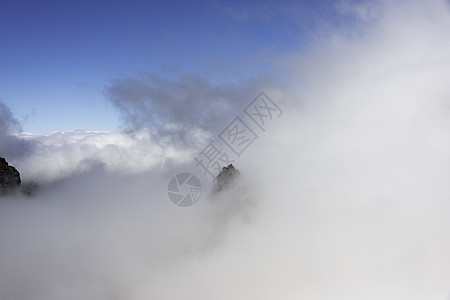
{"type": "Point", "coordinates": [345, 196]}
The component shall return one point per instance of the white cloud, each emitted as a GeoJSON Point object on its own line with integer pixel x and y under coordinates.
{"type": "Point", "coordinates": [59, 155]}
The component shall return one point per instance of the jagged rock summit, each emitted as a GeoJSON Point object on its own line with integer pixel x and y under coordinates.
{"type": "Point", "coordinates": [9, 178]}
{"type": "Point", "coordinates": [226, 176]}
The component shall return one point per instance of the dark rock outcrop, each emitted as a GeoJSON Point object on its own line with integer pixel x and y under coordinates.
{"type": "Point", "coordinates": [226, 177]}
{"type": "Point", "coordinates": [9, 178]}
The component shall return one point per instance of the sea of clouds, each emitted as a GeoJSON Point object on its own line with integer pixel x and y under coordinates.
{"type": "Point", "coordinates": [346, 196]}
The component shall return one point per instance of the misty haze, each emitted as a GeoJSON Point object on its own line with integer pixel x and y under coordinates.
{"type": "Point", "coordinates": [225, 150]}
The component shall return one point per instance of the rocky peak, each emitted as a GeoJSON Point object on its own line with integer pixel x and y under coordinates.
{"type": "Point", "coordinates": [226, 176]}
{"type": "Point", "coordinates": [9, 178]}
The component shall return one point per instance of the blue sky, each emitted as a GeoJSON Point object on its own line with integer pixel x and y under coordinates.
{"type": "Point", "coordinates": [57, 56]}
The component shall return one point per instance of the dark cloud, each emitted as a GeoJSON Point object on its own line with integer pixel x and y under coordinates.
{"type": "Point", "coordinates": [8, 123]}
{"type": "Point", "coordinates": [11, 146]}
{"type": "Point", "coordinates": [177, 106]}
